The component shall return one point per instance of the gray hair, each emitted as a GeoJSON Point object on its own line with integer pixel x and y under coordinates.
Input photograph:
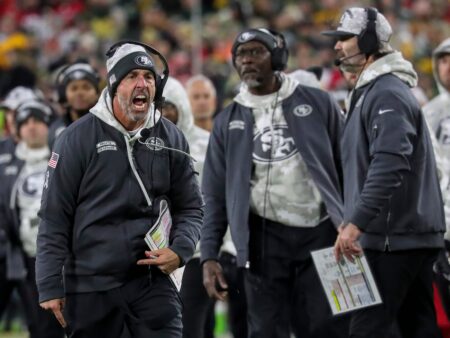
{"type": "Point", "coordinates": [201, 77]}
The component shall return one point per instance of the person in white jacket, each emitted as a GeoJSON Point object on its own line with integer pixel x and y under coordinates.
{"type": "Point", "coordinates": [437, 113]}
{"type": "Point", "coordinates": [198, 309]}
{"type": "Point", "coordinates": [178, 110]}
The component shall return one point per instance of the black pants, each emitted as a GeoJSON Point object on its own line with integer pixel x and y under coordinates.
{"type": "Point", "coordinates": [40, 323]}
{"type": "Point", "coordinates": [237, 303]}
{"type": "Point", "coordinates": [442, 278]}
{"type": "Point", "coordinates": [198, 309]}
{"type": "Point", "coordinates": [281, 274]}
{"type": "Point", "coordinates": [7, 288]}
{"type": "Point", "coordinates": [404, 279]}
{"type": "Point", "coordinates": [145, 307]}
{"type": "Point", "coordinates": [47, 326]}
{"type": "Point", "coordinates": [196, 304]}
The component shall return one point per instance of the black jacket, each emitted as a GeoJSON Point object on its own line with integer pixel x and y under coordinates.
{"type": "Point", "coordinates": [228, 166]}
{"type": "Point", "coordinates": [391, 188]}
{"type": "Point", "coordinates": [94, 212]}
{"type": "Point", "coordinates": [10, 242]}
{"type": "Point", "coordinates": [57, 127]}
{"type": "Point", "coordinates": [59, 124]}
{"type": "Point", "coordinates": [9, 212]}
{"type": "Point", "coordinates": [7, 146]}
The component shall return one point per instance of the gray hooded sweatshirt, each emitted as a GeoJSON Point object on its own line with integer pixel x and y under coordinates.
{"type": "Point", "coordinates": [437, 113]}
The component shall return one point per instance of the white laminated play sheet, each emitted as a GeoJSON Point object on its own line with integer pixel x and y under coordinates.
{"type": "Point", "coordinates": [348, 285]}
{"type": "Point", "coordinates": [158, 237]}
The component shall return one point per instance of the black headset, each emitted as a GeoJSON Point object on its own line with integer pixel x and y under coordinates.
{"type": "Point", "coordinates": [280, 53]}
{"type": "Point", "coordinates": [65, 70]}
{"type": "Point", "coordinates": [368, 40]}
{"type": "Point", "coordinates": [160, 81]}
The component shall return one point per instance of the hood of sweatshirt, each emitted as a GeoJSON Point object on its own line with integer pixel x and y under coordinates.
{"type": "Point", "coordinates": [197, 137]}
{"type": "Point", "coordinates": [392, 63]}
{"type": "Point", "coordinates": [247, 99]}
{"type": "Point", "coordinates": [104, 111]}
{"type": "Point", "coordinates": [443, 48]}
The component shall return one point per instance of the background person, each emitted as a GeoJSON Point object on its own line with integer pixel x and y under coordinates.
{"type": "Point", "coordinates": [203, 98]}
{"type": "Point", "coordinates": [437, 113]}
{"type": "Point", "coordinates": [13, 271]}
{"type": "Point", "coordinates": [198, 310]}
{"type": "Point", "coordinates": [77, 88]}
{"type": "Point", "coordinates": [197, 307]}
{"type": "Point", "coordinates": [22, 183]}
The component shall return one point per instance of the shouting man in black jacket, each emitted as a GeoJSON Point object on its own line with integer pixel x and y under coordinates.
{"type": "Point", "coordinates": [392, 202]}
{"type": "Point", "coordinates": [107, 177]}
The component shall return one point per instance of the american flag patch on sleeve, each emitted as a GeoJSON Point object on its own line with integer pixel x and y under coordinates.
{"type": "Point", "coordinates": [53, 160]}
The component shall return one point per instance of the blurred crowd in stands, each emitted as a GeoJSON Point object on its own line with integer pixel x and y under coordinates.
{"type": "Point", "coordinates": [38, 36]}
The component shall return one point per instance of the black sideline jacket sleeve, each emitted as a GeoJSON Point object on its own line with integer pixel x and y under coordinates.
{"type": "Point", "coordinates": [59, 199]}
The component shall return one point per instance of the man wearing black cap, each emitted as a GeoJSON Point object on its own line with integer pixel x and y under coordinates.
{"type": "Point", "coordinates": [393, 205]}
{"type": "Point", "coordinates": [109, 174]}
{"type": "Point", "coordinates": [272, 173]}
{"type": "Point", "coordinates": [77, 88]}
{"type": "Point", "coordinates": [22, 183]}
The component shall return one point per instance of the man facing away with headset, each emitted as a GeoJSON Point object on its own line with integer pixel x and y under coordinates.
{"type": "Point", "coordinates": [393, 205]}
{"type": "Point", "coordinates": [272, 172]}
{"type": "Point", "coordinates": [107, 175]}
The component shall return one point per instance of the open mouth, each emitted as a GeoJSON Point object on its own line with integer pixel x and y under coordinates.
{"type": "Point", "coordinates": [140, 101]}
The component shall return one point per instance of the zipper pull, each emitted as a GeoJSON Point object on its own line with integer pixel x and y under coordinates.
{"type": "Point", "coordinates": [386, 244]}
{"type": "Point", "coordinates": [375, 131]}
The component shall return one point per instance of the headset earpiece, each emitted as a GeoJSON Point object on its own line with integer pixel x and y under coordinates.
{"type": "Point", "coordinates": [274, 41]}
{"type": "Point", "coordinates": [280, 53]}
{"type": "Point", "coordinates": [160, 80]}
{"type": "Point", "coordinates": [368, 40]}
{"type": "Point", "coordinates": [60, 89]}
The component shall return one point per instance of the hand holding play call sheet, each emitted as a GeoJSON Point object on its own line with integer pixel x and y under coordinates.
{"type": "Point", "coordinates": [348, 285]}
{"type": "Point", "coordinates": [158, 237]}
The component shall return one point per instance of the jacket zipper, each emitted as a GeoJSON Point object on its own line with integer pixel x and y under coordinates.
{"type": "Point", "coordinates": [386, 244]}
{"type": "Point", "coordinates": [386, 241]}
{"type": "Point", "coordinates": [14, 191]}
{"type": "Point", "coordinates": [375, 132]}
{"type": "Point", "coordinates": [133, 168]}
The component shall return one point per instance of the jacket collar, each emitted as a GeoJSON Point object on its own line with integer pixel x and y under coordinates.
{"type": "Point", "coordinates": [103, 110]}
